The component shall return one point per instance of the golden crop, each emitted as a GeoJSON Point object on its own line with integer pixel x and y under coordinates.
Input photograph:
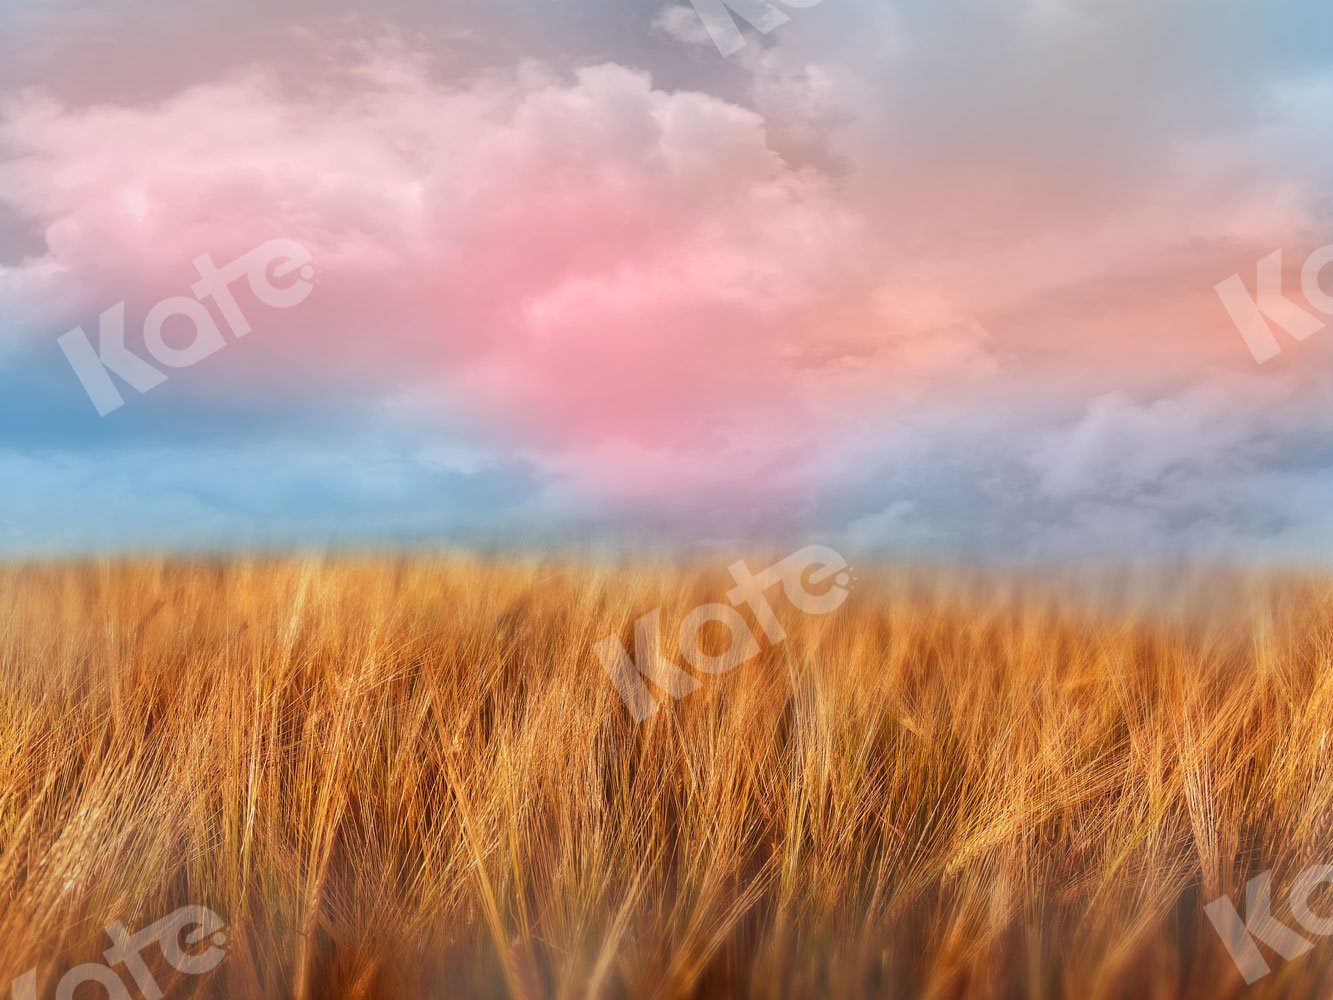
{"type": "Point", "coordinates": [410, 777]}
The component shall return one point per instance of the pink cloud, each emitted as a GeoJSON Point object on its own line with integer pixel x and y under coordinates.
{"type": "Point", "coordinates": [628, 285]}
{"type": "Point", "coordinates": [601, 269]}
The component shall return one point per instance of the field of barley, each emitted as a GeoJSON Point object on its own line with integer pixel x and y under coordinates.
{"type": "Point", "coordinates": [411, 777]}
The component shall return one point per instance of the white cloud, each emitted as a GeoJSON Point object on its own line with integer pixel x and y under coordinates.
{"type": "Point", "coordinates": [683, 23]}
{"type": "Point", "coordinates": [1122, 446]}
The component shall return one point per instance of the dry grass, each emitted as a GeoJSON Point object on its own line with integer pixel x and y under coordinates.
{"type": "Point", "coordinates": [410, 778]}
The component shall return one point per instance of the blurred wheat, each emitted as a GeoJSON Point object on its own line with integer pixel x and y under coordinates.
{"type": "Point", "coordinates": [410, 777]}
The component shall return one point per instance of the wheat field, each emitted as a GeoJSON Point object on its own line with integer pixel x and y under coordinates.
{"type": "Point", "coordinates": [410, 777]}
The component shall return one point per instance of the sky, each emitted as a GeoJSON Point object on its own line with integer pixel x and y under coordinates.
{"type": "Point", "coordinates": [916, 279]}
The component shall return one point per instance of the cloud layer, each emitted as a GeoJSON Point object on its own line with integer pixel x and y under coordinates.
{"type": "Point", "coordinates": [863, 279]}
